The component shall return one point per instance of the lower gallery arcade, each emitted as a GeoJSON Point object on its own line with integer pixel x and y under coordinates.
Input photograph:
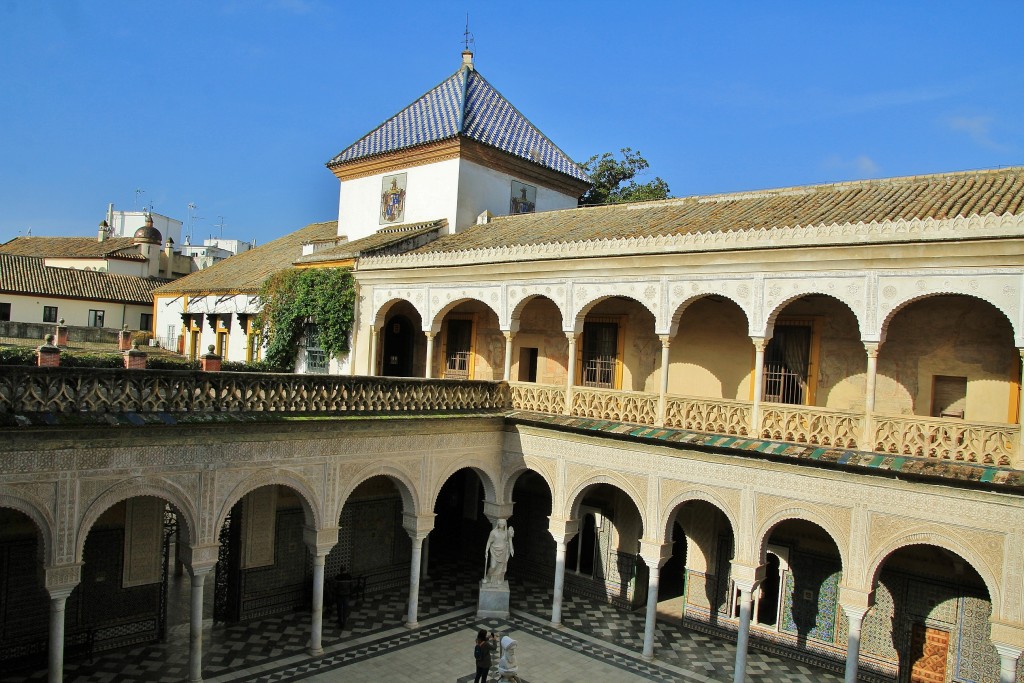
{"type": "Point", "coordinates": [878, 575]}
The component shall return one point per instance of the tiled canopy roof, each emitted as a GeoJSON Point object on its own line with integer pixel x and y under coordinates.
{"type": "Point", "coordinates": [387, 240]}
{"type": "Point", "coordinates": [943, 196]}
{"type": "Point", "coordinates": [464, 104]}
{"type": "Point", "coordinates": [68, 247]}
{"type": "Point", "coordinates": [29, 275]}
{"type": "Point", "coordinates": [245, 272]}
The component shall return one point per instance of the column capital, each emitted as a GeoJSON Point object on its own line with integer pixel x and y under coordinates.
{"type": "Point", "coordinates": [320, 541]}
{"type": "Point", "coordinates": [747, 577]}
{"type": "Point", "coordinates": [509, 334]}
{"type": "Point", "coordinates": [759, 343]}
{"type": "Point", "coordinates": [1007, 634]}
{"type": "Point", "coordinates": [666, 340]}
{"type": "Point", "coordinates": [418, 526]}
{"type": "Point", "coordinates": [200, 559]}
{"type": "Point", "coordinates": [496, 511]}
{"type": "Point", "coordinates": [871, 348]}
{"type": "Point", "coordinates": [571, 336]}
{"type": "Point", "coordinates": [430, 335]}
{"type": "Point", "coordinates": [852, 599]}
{"type": "Point", "coordinates": [59, 578]}
{"type": "Point", "coordinates": [1008, 651]}
{"type": "Point", "coordinates": [654, 553]}
{"type": "Point", "coordinates": [562, 530]}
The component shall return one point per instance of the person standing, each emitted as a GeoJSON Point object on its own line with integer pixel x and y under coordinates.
{"type": "Point", "coordinates": [482, 653]}
{"type": "Point", "coordinates": [342, 591]}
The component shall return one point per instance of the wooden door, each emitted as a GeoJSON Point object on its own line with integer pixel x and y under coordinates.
{"type": "Point", "coordinates": [928, 650]}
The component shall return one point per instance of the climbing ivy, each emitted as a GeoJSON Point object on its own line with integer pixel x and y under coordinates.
{"type": "Point", "coordinates": [293, 297]}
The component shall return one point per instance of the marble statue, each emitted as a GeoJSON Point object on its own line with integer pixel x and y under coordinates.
{"type": "Point", "coordinates": [508, 669]}
{"type": "Point", "coordinates": [499, 548]}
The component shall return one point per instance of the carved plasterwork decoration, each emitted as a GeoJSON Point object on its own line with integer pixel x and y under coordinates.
{"type": "Point", "coordinates": [514, 465]}
{"type": "Point", "coordinates": [244, 482]}
{"type": "Point", "coordinates": [521, 294]}
{"type": "Point", "coordinates": [683, 293]}
{"type": "Point", "coordinates": [770, 511]}
{"type": "Point", "coordinates": [102, 494]}
{"type": "Point", "coordinates": [579, 477]}
{"type": "Point", "coordinates": [384, 297]}
{"type": "Point", "coordinates": [404, 474]}
{"type": "Point", "coordinates": [442, 468]}
{"type": "Point", "coordinates": [675, 494]}
{"type": "Point", "coordinates": [780, 292]}
{"type": "Point", "coordinates": [980, 548]}
{"type": "Point", "coordinates": [444, 299]}
{"type": "Point", "coordinates": [25, 499]}
{"type": "Point", "coordinates": [1001, 289]}
{"type": "Point", "coordinates": [915, 230]}
{"type": "Point", "coordinates": [587, 294]}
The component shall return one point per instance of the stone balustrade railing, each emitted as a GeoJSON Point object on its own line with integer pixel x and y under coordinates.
{"type": "Point", "coordinates": [914, 435]}
{"type": "Point", "coordinates": [71, 390]}
{"type": "Point", "coordinates": [608, 404]}
{"type": "Point", "coordinates": [811, 425]}
{"type": "Point", "coordinates": [75, 390]}
{"type": "Point", "coordinates": [929, 437]}
{"type": "Point", "coordinates": [714, 415]}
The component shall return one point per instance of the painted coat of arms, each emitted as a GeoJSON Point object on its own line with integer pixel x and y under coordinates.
{"type": "Point", "coordinates": [523, 199]}
{"type": "Point", "coordinates": [392, 198]}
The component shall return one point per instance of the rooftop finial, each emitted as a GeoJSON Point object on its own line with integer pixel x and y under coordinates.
{"type": "Point", "coordinates": [467, 40]}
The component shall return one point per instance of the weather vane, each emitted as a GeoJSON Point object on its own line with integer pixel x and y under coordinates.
{"type": "Point", "coordinates": [467, 37]}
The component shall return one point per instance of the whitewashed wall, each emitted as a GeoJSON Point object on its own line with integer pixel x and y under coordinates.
{"type": "Point", "coordinates": [484, 189]}
{"type": "Point", "coordinates": [29, 309]}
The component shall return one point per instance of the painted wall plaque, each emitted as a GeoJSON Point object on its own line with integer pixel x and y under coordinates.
{"type": "Point", "coordinates": [524, 198]}
{"type": "Point", "coordinates": [392, 198]}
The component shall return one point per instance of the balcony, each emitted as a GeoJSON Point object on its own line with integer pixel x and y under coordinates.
{"type": "Point", "coordinates": [30, 390]}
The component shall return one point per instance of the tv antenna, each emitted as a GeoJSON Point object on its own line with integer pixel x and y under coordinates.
{"type": "Point", "coordinates": [138, 193]}
{"type": "Point", "coordinates": [220, 225]}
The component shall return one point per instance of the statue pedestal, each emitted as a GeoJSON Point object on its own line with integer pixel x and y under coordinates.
{"type": "Point", "coordinates": [493, 601]}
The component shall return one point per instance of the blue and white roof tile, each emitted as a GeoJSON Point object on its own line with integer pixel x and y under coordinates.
{"type": "Point", "coordinates": [463, 104]}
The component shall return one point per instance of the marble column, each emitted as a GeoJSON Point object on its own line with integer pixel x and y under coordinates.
{"type": "Point", "coordinates": [666, 342]}
{"type": "Point", "coordinates": [508, 354]}
{"type": "Point", "coordinates": [1008, 657]}
{"type": "Point", "coordinates": [855, 617]}
{"type": "Point", "coordinates": [562, 531]}
{"type": "Point", "coordinates": [654, 555]}
{"type": "Point", "coordinates": [316, 622]}
{"type": "Point", "coordinates": [1020, 412]}
{"type": "Point", "coordinates": [868, 436]}
{"type": "Point", "coordinates": [425, 560]}
{"type": "Point", "coordinates": [195, 623]}
{"type": "Point", "coordinates": [755, 411]}
{"type": "Point", "coordinates": [371, 361]}
{"type": "Point", "coordinates": [430, 355]}
{"type": "Point", "coordinates": [571, 367]}
{"type": "Point", "coordinates": [414, 579]}
{"type": "Point", "coordinates": [743, 635]}
{"type": "Point", "coordinates": [58, 602]}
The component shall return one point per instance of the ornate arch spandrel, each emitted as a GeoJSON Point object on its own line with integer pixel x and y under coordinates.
{"type": "Point", "coordinates": [135, 487]}
{"type": "Point", "coordinates": [359, 473]}
{"type": "Point", "coordinates": [693, 493]}
{"type": "Point", "coordinates": [825, 517]}
{"type": "Point", "coordinates": [35, 509]}
{"type": "Point", "coordinates": [311, 503]}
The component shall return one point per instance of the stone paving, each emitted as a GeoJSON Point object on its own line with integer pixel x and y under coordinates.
{"type": "Point", "coordinates": [597, 643]}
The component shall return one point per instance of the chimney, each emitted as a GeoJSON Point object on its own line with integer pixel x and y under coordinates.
{"type": "Point", "coordinates": [467, 59]}
{"type": "Point", "coordinates": [169, 255]}
{"type": "Point", "coordinates": [101, 234]}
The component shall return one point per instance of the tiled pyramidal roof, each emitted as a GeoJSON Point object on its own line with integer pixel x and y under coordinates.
{"type": "Point", "coordinates": [463, 104]}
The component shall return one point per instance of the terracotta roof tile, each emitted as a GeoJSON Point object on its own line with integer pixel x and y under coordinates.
{"type": "Point", "coordinates": [245, 272]}
{"type": "Point", "coordinates": [934, 196]}
{"type": "Point", "coordinates": [62, 247]}
{"type": "Point", "coordinates": [29, 275]}
{"type": "Point", "coordinates": [393, 239]}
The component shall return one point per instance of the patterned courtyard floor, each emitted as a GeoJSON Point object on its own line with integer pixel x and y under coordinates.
{"type": "Point", "coordinates": [597, 642]}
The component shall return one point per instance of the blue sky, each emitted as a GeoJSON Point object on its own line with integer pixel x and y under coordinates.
{"type": "Point", "coordinates": [236, 105]}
